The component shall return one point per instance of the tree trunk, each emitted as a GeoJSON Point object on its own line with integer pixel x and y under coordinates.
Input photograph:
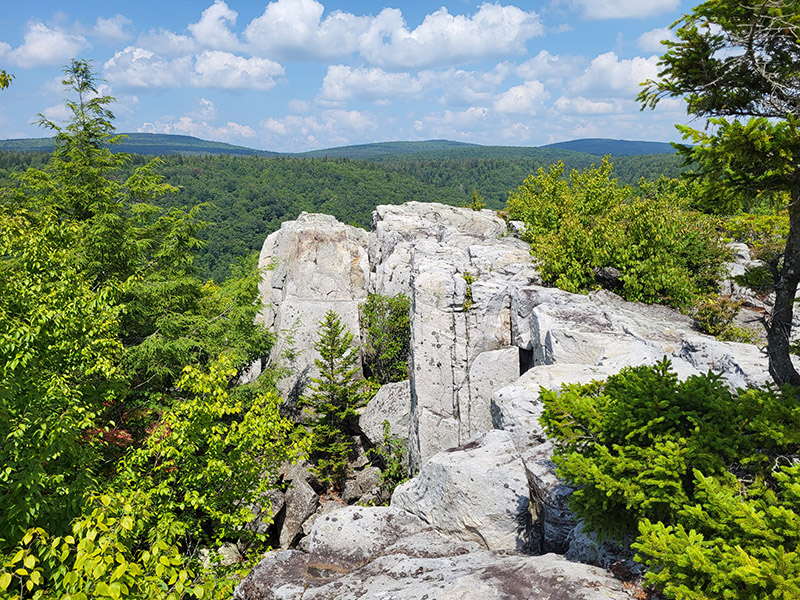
{"type": "Point", "coordinates": [780, 326]}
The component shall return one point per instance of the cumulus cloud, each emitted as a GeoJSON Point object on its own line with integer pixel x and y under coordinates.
{"type": "Point", "coordinates": [214, 68]}
{"type": "Point", "coordinates": [546, 66]}
{"type": "Point", "coordinates": [609, 72]}
{"type": "Point", "coordinates": [624, 9]}
{"type": "Point", "coordinates": [343, 83]}
{"type": "Point", "coordinates": [230, 132]}
{"type": "Point", "coordinates": [212, 30]}
{"type": "Point", "coordinates": [138, 67]}
{"type": "Point", "coordinates": [329, 128]}
{"type": "Point", "coordinates": [112, 29]}
{"type": "Point", "coordinates": [45, 46]}
{"type": "Point", "coordinates": [469, 87]}
{"type": "Point", "coordinates": [522, 99]}
{"type": "Point", "coordinates": [296, 29]}
{"type": "Point", "coordinates": [453, 124]}
{"type": "Point", "coordinates": [584, 106]}
{"type": "Point", "coordinates": [650, 41]}
{"type": "Point", "coordinates": [167, 43]}
{"type": "Point", "coordinates": [58, 113]}
{"type": "Point", "coordinates": [442, 38]}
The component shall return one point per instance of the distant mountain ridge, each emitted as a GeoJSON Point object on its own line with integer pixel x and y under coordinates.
{"type": "Point", "coordinates": [165, 144]}
{"type": "Point", "coordinates": [146, 143]}
{"type": "Point", "coordinates": [602, 146]}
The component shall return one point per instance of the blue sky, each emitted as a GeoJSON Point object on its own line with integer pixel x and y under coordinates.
{"type": "Point", "coordinates": [294, 75]}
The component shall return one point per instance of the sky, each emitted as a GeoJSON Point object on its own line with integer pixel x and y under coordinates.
{"type": "Point", "coordinates": [296, 75]}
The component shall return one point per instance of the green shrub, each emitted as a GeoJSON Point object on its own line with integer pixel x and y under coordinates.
{"type": "Point", "coordinates": [707, 478]}
{"type": "Point", "coordinates": [386, 323]}
{"type": "Point", "coordinates": [392, 455]}
{"type": "Point", "coordinates": [469, 279]}
{"type": "Point", "coordinates": [714, 315]}
{"type": "Point", "coordinates": [764, 234]}
{"type": "Point", "coordinates": [576, 226]}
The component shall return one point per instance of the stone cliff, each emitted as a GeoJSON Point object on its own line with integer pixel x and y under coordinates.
{"type": "Point", "coordinates": [486, 334]}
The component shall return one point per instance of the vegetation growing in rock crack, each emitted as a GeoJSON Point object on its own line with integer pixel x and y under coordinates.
{"type": "Point", "coordinates": [386, 325]}
{"type": "Point", "coordinates": [333, 399]}
{"type": "Point", "coordinates": [392, 455]}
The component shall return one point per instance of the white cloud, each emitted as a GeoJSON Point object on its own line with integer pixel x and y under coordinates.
{"type": "Point", "coordinates": [650, 41]}
{"type": "Point", "coordinates": [453, 124]}
{"type": "Point", "coordinates": [206, 109]}
{"type": "Point", "coordinates": [343, 83]}
{"type": "Point", "coordinates": [167, 43]}
{"type": "Point", "coordinates": [624, 9]}
{"type": "Point", "coordinates": [469, 87]}
{"type": "Point", "coordinates": [549, 66]}
{"type": "Point", "coordinates": [609, 72]}
{"type": "Point", "coordinates": [138, 67]}
{"type": "Point", "coordinates": [113, 29]}
{"type": "Point", "coordinates": [329, 128]}
{"type": "Point", "coordinates": [212, 30]}
{"type": "Point", "coordinates": [58, 113]}
{"type": "Point", "coordinates": [230, 132]}
{"type": "Point", "coordinates": [298, 106]}
{"type": "Point", "coordinates": [526, 99]}
{"type": "Point", "coordinates": [585, 106]}
{"type": "Point", "coordinates": [443, 38]}
{"type": "Point", "coordinates": [217, 69]}
{"type": "Point", "coordinates": [295, 29]}
{"type": "Point", "coordinates": [45, 46]}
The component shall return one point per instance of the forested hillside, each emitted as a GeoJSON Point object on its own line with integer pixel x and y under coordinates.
{"type": "Point", "coordinates": [247, 197]}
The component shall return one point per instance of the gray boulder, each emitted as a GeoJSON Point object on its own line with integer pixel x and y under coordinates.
{"type": "Point", "coordinates": [477, 492]}
{"type": "Point", "coordinates": [384, 552]}
{"type": "Point", "coordinates": [392, 403]}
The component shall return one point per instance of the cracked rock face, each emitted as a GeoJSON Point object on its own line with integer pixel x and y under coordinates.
{"type": "Point", "coordinates": [486, 334]}
{"type": "Point", "coordinates": [385, 552]}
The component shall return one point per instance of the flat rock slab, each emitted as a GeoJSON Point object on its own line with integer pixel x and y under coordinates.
{"type": "Point", "coordinates": [385, 553]}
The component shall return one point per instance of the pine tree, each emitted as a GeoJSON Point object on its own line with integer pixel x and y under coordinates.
{"type": "Point", "coordinates": [335, 396]}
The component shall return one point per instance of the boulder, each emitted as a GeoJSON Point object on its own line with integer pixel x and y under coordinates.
{"type": "Point", "coordinates": [516, 408]}
{"type": "Point", "coordinates": [363, 485]}
{"type": "Point", "coordinates": [477, 492]}
{"type": "Point", "coordinates": [301, 503]}
{"type": "Point", "coordinates": [392, 403]}
{"type": "Point", "coordinates": [384, 552]}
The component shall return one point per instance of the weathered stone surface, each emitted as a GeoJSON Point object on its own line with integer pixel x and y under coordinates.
{"type": "Point", "coordinates": [392, 403]}
{"type": "Point", "coordinates": [363, 484]}
{"type": "Point", "coordinates": [430, 251]}
{"type": "Point", "coordinates": [554, 521]}
{"type": "Point", "coordinates": [311, 265]}
{"type": "Point", "coordinates": [384, 552]}
{"type": "Point", "coordinates": [488, 372]}
{"type": "Point", "coordinates": [516, 408]}
{"type": "Point", "coordinates": [301, 503]}
{"type": "Point", "coordinates": [477, 492]}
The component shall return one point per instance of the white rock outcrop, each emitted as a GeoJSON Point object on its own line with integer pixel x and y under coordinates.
{"type": "Point", "coordinates": [310, 266]}
{"type": "Point", "coordinates": [486, 335]}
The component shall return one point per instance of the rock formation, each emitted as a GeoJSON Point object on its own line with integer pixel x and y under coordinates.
{"type": "Point", "coordinates": [486, 334]}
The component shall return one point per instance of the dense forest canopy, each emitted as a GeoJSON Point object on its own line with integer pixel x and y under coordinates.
{"type": "Point", "coordinates": [246, 198]}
